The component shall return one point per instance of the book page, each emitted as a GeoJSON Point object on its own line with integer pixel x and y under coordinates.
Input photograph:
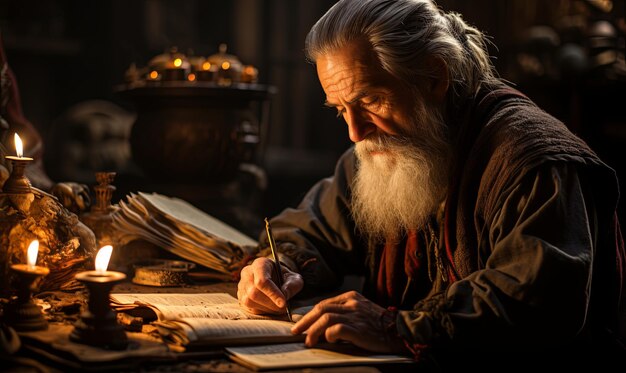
{"type": "Point", "coordinates": [291, 355]}
{"type": "Point", "coordinates": [216, 332]}
{"type": "Point", "coordinates": [172, 306]}
{"type": "Point", "coordinates": [212, 328]}
{"type": "Point", "coordinates": [186, 213]}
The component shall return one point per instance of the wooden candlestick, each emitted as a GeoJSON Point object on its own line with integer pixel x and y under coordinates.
{"type": "Point", "coordinates": [22, 313]}
{"type": "Point", "coordinates": [98, 325]}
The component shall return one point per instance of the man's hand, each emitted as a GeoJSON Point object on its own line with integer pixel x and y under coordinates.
{"type": "Point", "coordinates": [257, 291]}
{"type": "Point", "coordinates": [350, 317]}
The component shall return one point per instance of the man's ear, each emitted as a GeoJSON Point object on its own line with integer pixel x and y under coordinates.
{"type": "Point", "coordinates": [439, 81]}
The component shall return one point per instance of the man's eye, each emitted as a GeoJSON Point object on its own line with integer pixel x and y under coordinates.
{"type": "Point", "coordinates": [370, 100]}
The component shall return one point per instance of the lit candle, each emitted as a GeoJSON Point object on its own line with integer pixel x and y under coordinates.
{"type": "Point", "coordinates": [31, 254]}
{"type": "Point", "coordinates": [19, 150]}
{"type": "Point", "coordinates": [17, 183]}
{"type": "Point", "coordinates": [101, 274]}
{"type": "Point", "coordinates": [31, 261]}
{"type": "Point", "coordinates": [19, 147]}
{"type": "Point", "coordinates": [176, 68]}
{"type": "Point", "coordinates": [102, 259]}
{"type": "Point", "coordinates": [206, 71]}
{"type": "Point", "coordinates": [22, 313]}
{"type": "Point", "coordinates": [98, 325]}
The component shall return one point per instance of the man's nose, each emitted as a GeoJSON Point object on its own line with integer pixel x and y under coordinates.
{"type": "Point", "coordinates": [358, 126]}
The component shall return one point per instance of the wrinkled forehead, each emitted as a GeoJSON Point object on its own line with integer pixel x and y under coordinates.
{"type": "Point", "coordinates": [350, 66]}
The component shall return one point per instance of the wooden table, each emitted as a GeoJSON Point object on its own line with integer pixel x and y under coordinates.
{"type": "Point", "coordinates": [63, 311]}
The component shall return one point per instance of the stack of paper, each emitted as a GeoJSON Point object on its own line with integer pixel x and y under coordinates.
{"type": "Point", "coordinates": [183, 230]}
{"type": "Point", "coordinates": [296, 355]}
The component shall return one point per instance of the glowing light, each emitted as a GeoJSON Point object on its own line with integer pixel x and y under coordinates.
{"type": "Point", "coordinates": [19, 147]}
{"type": "Point", "coordinates": [178, 62]}
{"type": "Point", "coordinates": [154, 74]}
{"type": "Point", "coordinates": [206, 66]}
{"type": "Point", "coordinates": [225, 65]}
{"type": "Point", "coordinates": [33, 250]}
{"type": "Point", "coordinates": [191, 77]}
{"type": "Point", "coordinates": [103, 257]}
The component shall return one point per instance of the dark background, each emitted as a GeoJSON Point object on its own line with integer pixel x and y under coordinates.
{"type": "Point", "coordinates": [67, 52]}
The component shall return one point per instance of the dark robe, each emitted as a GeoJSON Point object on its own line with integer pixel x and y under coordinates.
{"type": "Point", "coordinates": [529, 252]}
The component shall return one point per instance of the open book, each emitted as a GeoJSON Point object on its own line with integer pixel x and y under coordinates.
{"type": "Point", "coordinates": [206, 319]}
{"type": "Point", "coordinates": [296, 355]}
{"type": "Point", "coordinates": [180, 228]}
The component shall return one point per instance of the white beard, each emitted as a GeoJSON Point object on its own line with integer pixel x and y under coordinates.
{"type": "Point", "coordinates": [401, 188]}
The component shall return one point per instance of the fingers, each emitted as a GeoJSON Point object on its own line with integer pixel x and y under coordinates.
{"type": "Point", "coordinates": [264, 284]}
{"type": "Point", "coordinates": [318, 312]}
{"type": "Point", "coordinates": [254, 301]}
{"type": "Point", "coordinates": [346, 302]}
{"type": "Point", "coordinates": [260, 308]}
{"type": "Point", "coordinates": [335, 328]}
{"type": "Point", "coordinates": [258, 293]}
{"type": "Point", "coordinates": [292, 283]}
{"type": "Point", "coordinates": [343, 332]}
{"type": "Point", "coordinates": [321, 327]}
{"type": "Point", "coordinates": [346, 317]}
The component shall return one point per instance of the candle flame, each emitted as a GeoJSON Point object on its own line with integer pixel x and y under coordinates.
{"type": "Point", "coordinates": [206, 66]}
{"type": "Point", "coordinates": [225, 65]}
{"type": "Point", "coordinates": [19, 148]}
{"type": "Point", "coordinates": [103, 257]}
{"type": "Point", "coordinates": [33, 250]}
{"type": "Point", "coordinates": [178, 62]}
{"type": "Point", "coordinates": [191, 77]}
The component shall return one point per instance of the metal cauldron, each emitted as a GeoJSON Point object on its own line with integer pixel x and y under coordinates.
{"type": "Point", "coordinates": [192, 130]}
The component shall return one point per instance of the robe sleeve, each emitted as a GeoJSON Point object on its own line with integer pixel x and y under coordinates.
{"type": "Point", "coordinates": [318, 237]}
{"type": "Point", "coordinates": [535, 284]}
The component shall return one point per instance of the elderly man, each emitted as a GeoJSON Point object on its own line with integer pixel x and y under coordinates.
{"type": "Point", "coordinates": [478, 220]}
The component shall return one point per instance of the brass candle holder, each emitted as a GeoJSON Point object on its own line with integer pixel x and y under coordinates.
{"type": "Point", "coordinates": [100, 218]}
{"type": "Point", "coordinates": [22, 313]}
{"type": "Point", "coordinates": [98, 325]}
{"type": "Point", "coordinates": [17, 182]}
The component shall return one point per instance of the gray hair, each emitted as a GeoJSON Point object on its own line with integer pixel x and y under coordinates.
{"type": "Point", "coordinates": [402, 33]}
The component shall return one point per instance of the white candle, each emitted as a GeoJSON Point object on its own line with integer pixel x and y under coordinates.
{"type": "Point", "coordinates": [19, 147]}
{"type": "Point", "coordinates": [19, 150]}
{"type": "Point", "coordinates": [33, 250]}
{"type": "Point", "coordinates": [102, 259]}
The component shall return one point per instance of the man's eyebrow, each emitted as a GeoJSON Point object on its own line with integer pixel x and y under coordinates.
{"type": "Point", "coordinates": [354, 99]}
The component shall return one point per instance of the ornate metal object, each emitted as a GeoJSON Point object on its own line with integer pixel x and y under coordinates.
{"type": "Point", "coordinates": [17, 183]}
{"type": "Point", "coordinates": [160, 272]}
{"type": "Point", "coordinates": [197, 119]}
{"type": "Point", "coordinates": [99, 219]}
